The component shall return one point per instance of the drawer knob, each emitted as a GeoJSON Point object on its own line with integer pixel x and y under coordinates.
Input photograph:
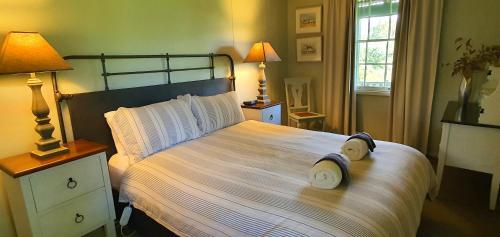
{"type": "Point", "coordinates": [271, 117]}
{"type": "Point", "coordinates": [79, 218]}
{"type": "Point", "coordinates": [71, 183]}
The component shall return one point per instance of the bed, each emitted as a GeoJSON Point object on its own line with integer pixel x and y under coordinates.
{"type": "Point", "coordinates": [250, 179]}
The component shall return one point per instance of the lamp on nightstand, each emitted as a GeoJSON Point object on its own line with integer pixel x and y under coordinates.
{"type": "Point", "coordinates": [262, 52]}
{"type": "Point", "coordinates": [29, 52]}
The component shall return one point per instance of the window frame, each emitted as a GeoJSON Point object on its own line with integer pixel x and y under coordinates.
{"type": "Point", "coordinates": [378, 90]}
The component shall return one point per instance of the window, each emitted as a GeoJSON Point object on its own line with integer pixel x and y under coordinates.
{"type": "Point", "coordinates": [375, 32]}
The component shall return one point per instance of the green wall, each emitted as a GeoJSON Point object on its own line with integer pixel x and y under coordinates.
{"type": "Point", "coordinates": [313, 70]}
{"type": "Point", "coordinates": [372, 110]}
{"type": "Point", "coordinates": [133, 27]}
{"type": "Point", "coordinates": [479, 20]}
{"type": "Point", "coordinates": [198, 26]}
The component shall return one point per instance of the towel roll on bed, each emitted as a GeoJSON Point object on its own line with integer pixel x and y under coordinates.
{"type": "Point", "coordinates": [355, 149]}
{"type": "Point", "coordinates": [329, 172]}
{"type": "Point", "coordinates": [325, 175]}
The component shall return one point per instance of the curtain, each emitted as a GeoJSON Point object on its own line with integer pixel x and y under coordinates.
{"type": "Point", "coordinates": [339, 101]}
{"type": "Point", "coordinates": [414, 72]}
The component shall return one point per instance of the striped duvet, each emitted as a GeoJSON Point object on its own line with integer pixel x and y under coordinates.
{"type": "Point", "coordinates": [250, 179]}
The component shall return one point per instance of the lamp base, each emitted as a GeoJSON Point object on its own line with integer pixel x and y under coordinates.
{"type": "Point", "coordinates": [47, 146]}
{"type": "Point", "coordinates": [49, 153]}
{"type": "Point", "coordinates": [262, 98]}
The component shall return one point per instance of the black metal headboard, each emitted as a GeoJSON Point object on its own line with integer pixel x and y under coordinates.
{"type": "Point", "coordinates": [87, 109]}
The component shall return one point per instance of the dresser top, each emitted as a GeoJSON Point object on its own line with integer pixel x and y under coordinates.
{"type": "Point", "coordinates": [468, 116]}
{"type": "Point", "coordinates": [24, 164]}
{"type": "Point", "coordinates": [261, 105]}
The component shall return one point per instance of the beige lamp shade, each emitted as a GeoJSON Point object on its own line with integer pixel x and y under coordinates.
{"type": "Point", "coordinates": [28, 52]}
{"type": "Point", "coordinates": [262, 52]}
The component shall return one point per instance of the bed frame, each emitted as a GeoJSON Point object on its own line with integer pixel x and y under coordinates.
{"type": "Point", "coordinates": [87, 110]}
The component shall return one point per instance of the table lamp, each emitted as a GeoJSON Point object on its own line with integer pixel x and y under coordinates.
{"type": "Point", "coordinates": [29, 52]}
{"type": "Point", "coordinates": [262, 52]}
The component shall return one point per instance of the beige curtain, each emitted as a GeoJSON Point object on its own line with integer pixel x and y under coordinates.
{"type": "Point", "coordinates": [414, 73]}
{"type": "Point", "coordinates": [339, 101]}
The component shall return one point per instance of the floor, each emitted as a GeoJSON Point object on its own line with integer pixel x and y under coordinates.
{"type": "Point", "coordinates": [461, 210]}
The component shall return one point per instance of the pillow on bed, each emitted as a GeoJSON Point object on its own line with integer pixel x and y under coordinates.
{"type": "Point", "coordinates": [118, 145]}
{"type": "Point", "coordinates": [145, 130]}
{"type": "Point", "coordinates": [215, 112]}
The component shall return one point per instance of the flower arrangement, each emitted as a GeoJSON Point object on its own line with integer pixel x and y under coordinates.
{"type": "Point", "coordinates": [474, 59]}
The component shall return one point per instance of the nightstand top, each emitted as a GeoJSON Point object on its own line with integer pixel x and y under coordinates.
{"type": "Point", "coordinates": [24, 164]}
{"type": "Point", "coordinates": [261, 105]}
{"type": "Point", "coordinates": [470, 115]}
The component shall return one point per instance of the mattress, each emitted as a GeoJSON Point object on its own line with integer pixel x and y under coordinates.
{"type": "Point", "coordinates": [251, 179]}
{"type": "Point", "coordinates": [117, 165]}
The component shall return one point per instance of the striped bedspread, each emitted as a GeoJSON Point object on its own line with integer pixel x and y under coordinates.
{"type": "Point", "coordinates": [251, 179]}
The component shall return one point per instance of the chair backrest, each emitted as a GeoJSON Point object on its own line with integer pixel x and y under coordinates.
{"type": "Point", "coordinates": [298, 94]}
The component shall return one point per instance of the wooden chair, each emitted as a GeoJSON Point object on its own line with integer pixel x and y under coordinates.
{"type": "Point", "coordinates": [298, 98]}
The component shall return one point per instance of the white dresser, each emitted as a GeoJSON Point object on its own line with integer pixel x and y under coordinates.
{"type": "Point", "coordinates": [65, 195]}
{"type": "Point", "coordinates": [468, 144]}
{"type": "Point", "coordinates": [268, 113]}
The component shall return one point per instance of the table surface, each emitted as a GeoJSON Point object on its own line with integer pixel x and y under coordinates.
{"type": "Point", "coordinates": [469, 116]}
{"type": "Point", "coordinates": [261, 105]}
{"type": "Point", "coordinates": [24, 164]}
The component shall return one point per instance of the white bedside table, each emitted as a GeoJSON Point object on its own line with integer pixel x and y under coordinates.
{"type": "Point", "coordinates": [268, 113]}
{"type": "Point", "coordinates": [468, 144]}
{"type": "Point", "coordinates": [65, 195]}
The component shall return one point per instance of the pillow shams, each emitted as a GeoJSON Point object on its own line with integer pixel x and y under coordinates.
{"type": "Point", "coordinates": [118, 145]}
{"type": "Point", "coordinates": [146, 130]}
{"type": "Point", "coordinates": [215, 112]}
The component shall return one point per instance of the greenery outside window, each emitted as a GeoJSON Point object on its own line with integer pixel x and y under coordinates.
{"type": "Point", "coordinates": [375, 33]}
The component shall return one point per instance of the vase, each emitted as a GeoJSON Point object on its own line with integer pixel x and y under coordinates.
{"type": "Point", "coordinates": [464, 91]}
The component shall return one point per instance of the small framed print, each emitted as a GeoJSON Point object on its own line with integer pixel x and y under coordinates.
{"type": "Point", "coordinates": [309, 49]}
{"type": "Point", "coordinates": [308, 20]}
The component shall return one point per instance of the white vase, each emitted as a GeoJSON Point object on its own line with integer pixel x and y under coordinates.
{"type": "Point", "coordinates": [464, 91]}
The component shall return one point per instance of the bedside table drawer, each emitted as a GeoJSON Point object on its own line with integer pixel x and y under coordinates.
{"type": "Point", "coordinates": [272, 115]}
{"type": "Point", "coordinates": [78, 216]}
{"type": "Point", "coordinates": [56, 185]}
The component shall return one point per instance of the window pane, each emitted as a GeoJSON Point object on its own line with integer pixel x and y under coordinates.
{"type": "Point", "coordinates": [379, 27]}
{"type": "Point", "coordinates": [390, 52]}
{"type": "Point", "coordinates": [376, 52]}
{"type": "Point", "coordinates": [375, 75]}
{"type": "Point", "coordinates": [389, 76]}
{"type": "Point", "coordinates": [394, 20]}
{"type": "Point", "coordinates": [363, 29]}
{"type": "Point", "coordinates": [361, 75]}
{"type": "Point", "coordinates": [362, 52]}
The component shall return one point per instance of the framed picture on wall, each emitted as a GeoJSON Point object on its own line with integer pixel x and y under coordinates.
{"type": "Point", "coordinates": [309, 49]}
{"type": "Point", "coordinates": [308, 20]}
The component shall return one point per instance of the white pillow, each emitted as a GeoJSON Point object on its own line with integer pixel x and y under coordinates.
{"type": "Point", "coordinates": [215, 112]}
{"type": "Point", "coordinates": [146, 130]}
{"type": "Point", "coordinates": [118, 145]}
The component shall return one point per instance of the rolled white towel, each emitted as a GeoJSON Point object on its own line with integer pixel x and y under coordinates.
{"type": "Point", "coordinates": [355, 149]}
{"type": "Point", "coordinates": [325, 174]}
